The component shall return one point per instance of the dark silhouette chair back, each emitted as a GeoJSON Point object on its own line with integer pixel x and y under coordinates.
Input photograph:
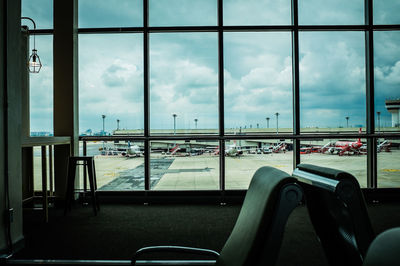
{"type": "Point", "coordinates": [385, 249]}
{"type": "Point", "coordinates": [257, 235]}
{"type": "Point", "coordinates": [338, 213]}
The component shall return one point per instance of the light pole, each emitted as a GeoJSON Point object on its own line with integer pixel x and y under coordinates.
{"type": "Point", "coordinates": [347, 120]}
{"type": "Point", "coordinates": [267, 122]}
{"type": "Point", "coordinates": [174, 115]}
{"type": "Point", "coordinates": [195, 123]}
{"type": "Point", "coordinates": [379, 121]}
{"type": "Point", "coordinates": [118, 124]}
{"type": "Point", "coordinates": [104, 117]}
{"type": "Point", "coordinates": [277, 127]}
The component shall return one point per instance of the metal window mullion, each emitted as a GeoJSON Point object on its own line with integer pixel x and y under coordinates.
{"type": "Point", "coordinates": [221, 113]}
{"type": "Point", "coordinates": [295, 83]}
{"type": "Point", "coordinates": [370, 108]}
{"type": "Point", "coordinates": [146, 95]}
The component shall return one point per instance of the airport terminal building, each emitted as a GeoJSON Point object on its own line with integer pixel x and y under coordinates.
{"type": "Point", "coordinates": [178, 104]}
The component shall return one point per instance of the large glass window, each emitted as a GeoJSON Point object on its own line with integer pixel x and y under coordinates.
{"type": "Point", "coordinates": [183, 83]}
{"type": "Point", "coordinates": [386, 12]}
{"type": "Point", "coordinates": [332, 81]}
{"type": "Point", "coordinates": [110, 13]}
{"type": "Point", "coordinates": [183, 13]}
{"type": "Point", "coordinates": [257, 12]}
{"type": "Point", "coordinates": [338, 12]}
{"type": "Point", "coordinates": [387, 80]}
{"type": "Point", "coordinates": [41, 89]}
{"type": "Point", "coordinates": [348, 155]}
{"type": "Point", "coordinates": [244, 157]}
{"type": "Point", "coordinates": [258, 82]}
{"type": "Point", "coordinates": [110, 83]}
{"type": "Point", "coordinates": [388, 167]}
{"type": "Point", "coordinates": [119, 165]}
{"type": "Point", "coordinates": [41, 11]}
{"type": "Point", "coordinates": [171, 69]}
{"type": "Point", "coordinates": [184, 165]}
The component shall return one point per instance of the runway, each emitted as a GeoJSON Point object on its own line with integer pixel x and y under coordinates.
{"type": "Point", "coordinates": [202, 172]}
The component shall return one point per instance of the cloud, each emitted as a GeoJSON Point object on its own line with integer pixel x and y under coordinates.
{"type": "Point", "coordinates": [255, 12]}
{"type": "Point", "coordinates": [332, 77]}
{"type": "Point", "coordinates": [41, 11]}
{"type": "Point", "coordinates": [110, 13]}
{"type": "Point", "coordinates": [182, 13]}
{"type": "Point", "coordinates": [338, 12]}
{"type": "Point", "coordinates": [388, 74]}
{"type": "Point", "coordinates": [184, 66]}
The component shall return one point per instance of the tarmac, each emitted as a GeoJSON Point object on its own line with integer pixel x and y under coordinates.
{"type": "Point", "coordinates": [201, 172]}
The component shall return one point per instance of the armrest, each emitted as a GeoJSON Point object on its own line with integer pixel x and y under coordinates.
{"type": "Point", "coordinates": [178, 249]}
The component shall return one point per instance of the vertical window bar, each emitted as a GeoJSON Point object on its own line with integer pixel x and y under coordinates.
{"type": "Point", "coordinates": [369, 72]}
{"type": "Point", "coordinates": [84, 169]}
{"type": "Point", "coordinates": [146, 95]}
{"type": "Point", "coordinates": [221, 96]}
{"type": "Point", "coordinates": [295, 83]}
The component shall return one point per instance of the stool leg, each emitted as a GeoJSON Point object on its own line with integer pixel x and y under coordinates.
{"type": "Point", "coordinates": [95, 185]}
{"type": "Point", "coordinates": [92, 189]}
{"type": "Point", "coordinates": [70, 185]}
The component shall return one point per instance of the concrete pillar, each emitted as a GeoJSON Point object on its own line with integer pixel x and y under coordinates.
{"type": "Point", "coordinates": [10, 124]}
{"type": "Point", "coordinates": [65, 45]}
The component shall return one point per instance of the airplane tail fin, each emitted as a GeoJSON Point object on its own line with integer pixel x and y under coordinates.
{"type": "Point", "coordinates": [359, 131]}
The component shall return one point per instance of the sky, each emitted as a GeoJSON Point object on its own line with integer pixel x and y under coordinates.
{"type": "Point", "coordinates": [184, 66]}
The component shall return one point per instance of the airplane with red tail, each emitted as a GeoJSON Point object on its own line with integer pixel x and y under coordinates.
{"type": "Point", "coordinates": [342, 146]}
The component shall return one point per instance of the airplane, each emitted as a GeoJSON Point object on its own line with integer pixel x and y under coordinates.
{"type": "Point", "coordinates": [132, 151]}
{"type": "Point", "coordinates": [231, 150]}
{"type": "Point", "coordinates": [310, 149]}
{"type": "Point", "coordinates": [342, 146]}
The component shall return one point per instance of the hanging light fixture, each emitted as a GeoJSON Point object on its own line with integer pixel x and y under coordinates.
{"type": "Point", "coordinates": [34, 63]}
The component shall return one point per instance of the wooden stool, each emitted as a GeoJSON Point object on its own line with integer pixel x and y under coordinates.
{"type": "Point", "coordinates": [88, 163]}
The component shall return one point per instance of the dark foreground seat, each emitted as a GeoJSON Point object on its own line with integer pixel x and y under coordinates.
{"type": "Point", "coordinates": [385, 249]}
{"type": "Point", "coordinates": [338, 213]}
{"type": "Point", "coordinates": [257, 235]}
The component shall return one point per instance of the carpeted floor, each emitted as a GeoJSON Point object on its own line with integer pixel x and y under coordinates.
{"type": "Point", "coordinates": [120, 229]}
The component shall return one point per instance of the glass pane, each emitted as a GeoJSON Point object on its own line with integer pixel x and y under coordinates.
{"type": "Point", "coordinates": [184, 83]}
{"type": "Point", "coordinates": [41, 88]}
{"type": "Point", "coordinates": [258, 82]}
{"type": "Point", "coordinates": [347, 155]}
{"type": "Point", "coordinates": [183, 12]}
{"type": "Point", "coordinates": [387, 81]}
{"type": "Point", "coordinates": [386, 12]}
{"type": "Point", "coordinates": [110, 13]}
{"type": "Point", "coordinates": [244, 157]}
{"type": "Point", "coordinates": [41, 11]}
{"type": "Point", "coordinates": [184, 165]}
{"type": "Point", "coordinates": [332, 81]}
{"type": "Point", "coordinates": [37, 168]}
{"type": "Point", "coordinates": [257, 12]}
{"type": "Point", "coordinates": [119, 164]}
{"type": "Point", "coordinates": [111, 84]}
{"type": "Point", "coordinates": [388, 163]}
{"type": "Point", "coordinates": [338, 12]}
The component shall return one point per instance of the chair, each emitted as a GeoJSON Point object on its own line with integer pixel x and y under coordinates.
{"type": "Point", "coordinates": [88, 163]}
{"type": "Point", "coordinates": [257, 234]}
{"type": "Point", "coordinates": [338, 213]}
{"type": "Point", "coordinates": [385, 249]}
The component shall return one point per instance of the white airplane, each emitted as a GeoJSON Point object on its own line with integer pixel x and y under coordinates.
{"type": "Point", "coordinates": [132, 151]}
{"type": "Point", "coordinates": [230, 150]}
